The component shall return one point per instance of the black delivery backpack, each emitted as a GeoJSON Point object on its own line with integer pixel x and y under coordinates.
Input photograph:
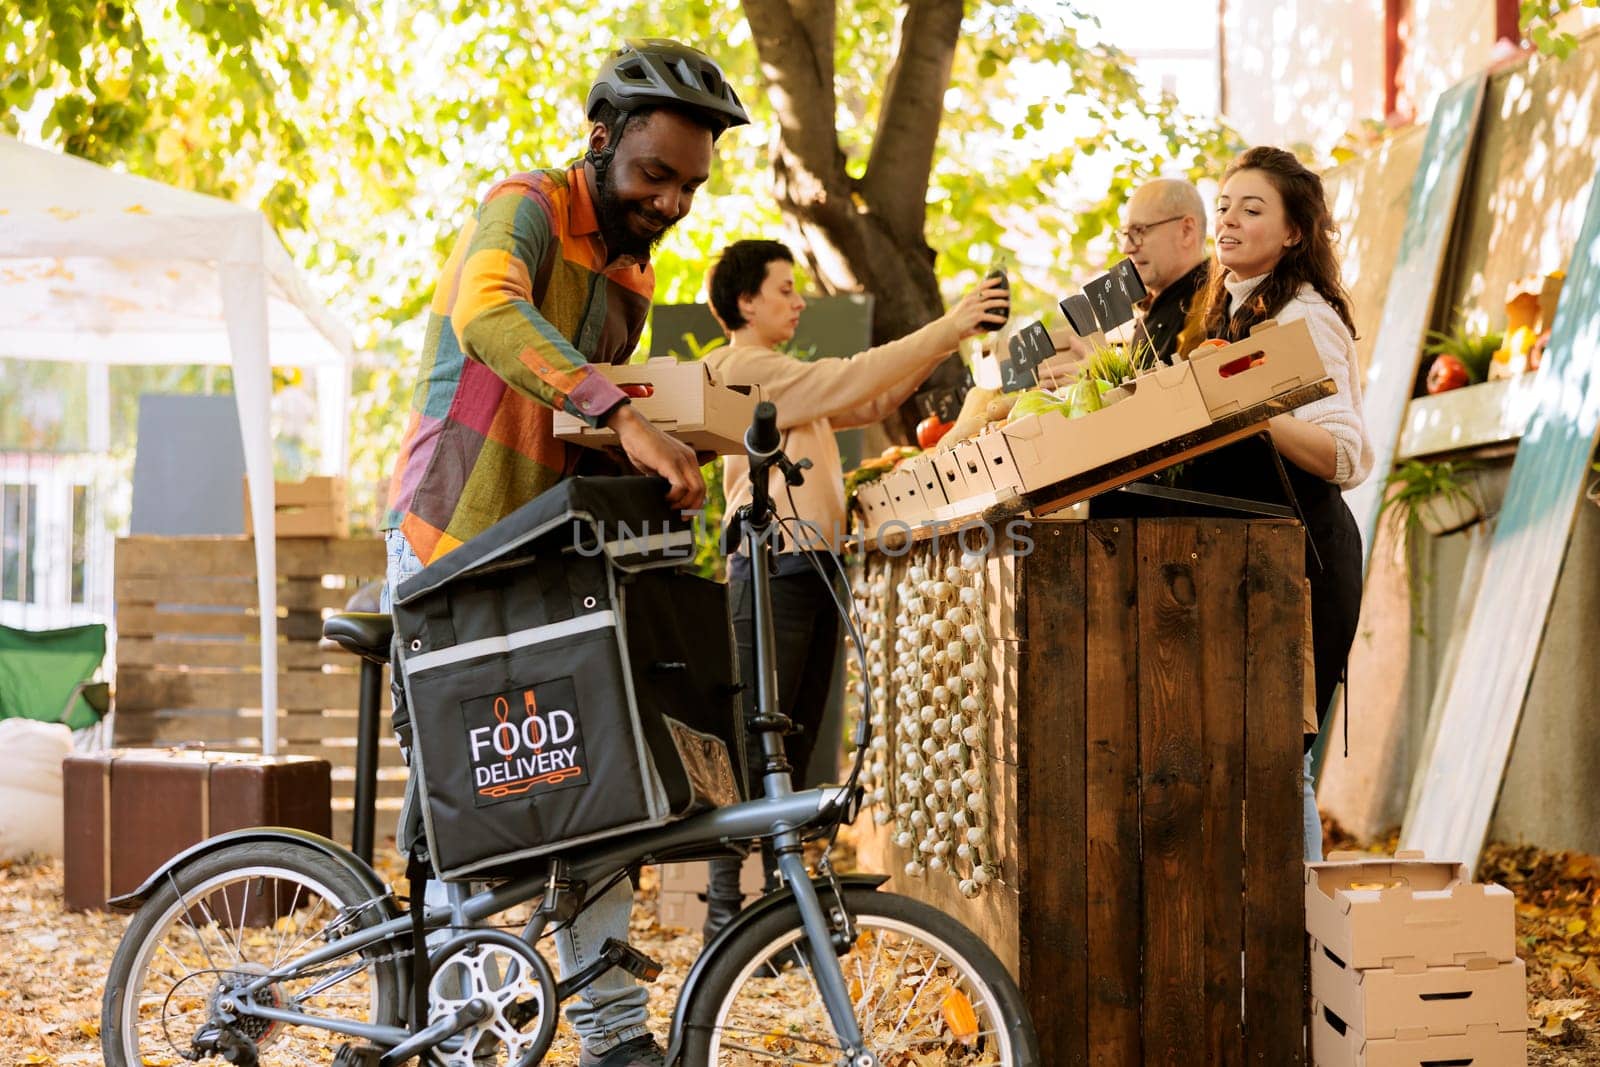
{"type": "Point", "coordinates": [565, 680]}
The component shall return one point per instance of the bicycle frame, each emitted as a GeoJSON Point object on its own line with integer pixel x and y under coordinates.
{"type": "Point", "coordinates": [781, 814]}
{"type": "Point", "coordinates": [738, 822]}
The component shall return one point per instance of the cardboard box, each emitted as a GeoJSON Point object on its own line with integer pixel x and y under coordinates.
{"type": "Point", "coordinates": [315, 507]}
{"type": "Point", "coordinates": [128, 811]}
{"type": "Point", "coordinates": [1386, 1002]}
{"type": "Point", "coordinates": [1374, 913]}
{"type": "Point", "coordinates": [1040, 450]}
{"type": "Point", "coordinates": [929, 481]}
{"type": "Point", "coordinates": [1271, 361]}
{"type": "Point", "coordinates": [952, 475]}
{"type": "Point", "coordinates": [1334, 1044]}
{"type": "Point", "coordinates": [876, 507]}
{"type": "Point", "coordinates": [686, 911]}
{"type": "Point", "coordinates": [905, 492]}
{"type": "Point", "coordinates": [680, 901]}
{"type": "Point", "coordinates": [686, 400]}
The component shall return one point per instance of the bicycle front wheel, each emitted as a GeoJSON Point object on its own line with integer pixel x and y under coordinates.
{"type": "Point", "coordinates": [925, 990]}
{"type": "Point", "coordinates": [224, 919]}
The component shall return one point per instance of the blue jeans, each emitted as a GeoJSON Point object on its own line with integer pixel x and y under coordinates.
{"type": "Point", "coordinates": [612, 1009]}
{"type": "Point", "coordinates": [1313, 822]}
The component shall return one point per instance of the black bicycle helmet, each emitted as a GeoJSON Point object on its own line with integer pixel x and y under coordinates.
{"type": "Point", "coordinates": [652, 70]}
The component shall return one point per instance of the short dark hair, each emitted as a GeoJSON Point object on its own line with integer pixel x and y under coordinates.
{"type": "Point", "coordinates": [740, 271]}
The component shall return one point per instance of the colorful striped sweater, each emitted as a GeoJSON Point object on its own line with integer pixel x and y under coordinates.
{"type": "Point", "coordinates": [526, 301]}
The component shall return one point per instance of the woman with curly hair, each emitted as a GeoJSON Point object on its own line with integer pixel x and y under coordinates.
{"type": "Point", "coordinates": [1275, 259]}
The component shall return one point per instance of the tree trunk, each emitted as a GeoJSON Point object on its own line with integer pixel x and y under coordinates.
{"type": "Point", "coordinates": [866, 234]}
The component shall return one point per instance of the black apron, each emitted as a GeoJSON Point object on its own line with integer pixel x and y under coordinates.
{"type": "Point", "coordinates": [1246, 470]}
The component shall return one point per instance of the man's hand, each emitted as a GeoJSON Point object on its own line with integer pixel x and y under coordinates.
{"type": "Point", "coordinates": [653, 452]}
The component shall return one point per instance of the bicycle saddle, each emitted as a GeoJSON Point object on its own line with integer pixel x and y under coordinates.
{"type": "Point", "coordinates": [364, 633]}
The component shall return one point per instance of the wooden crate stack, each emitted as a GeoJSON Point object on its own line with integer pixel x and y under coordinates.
{"type": "Point", "coordinates": [1412, 964]}
{"type": "Point", "coordinates": [312, 507]}
{"type": "Point", "coordinates": [188, 653]}
{"type": "Point", "coordinates": [680, 901]}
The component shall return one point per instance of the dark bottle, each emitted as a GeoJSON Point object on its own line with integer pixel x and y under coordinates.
{"type": "Point", "coordinates": [999, 271]}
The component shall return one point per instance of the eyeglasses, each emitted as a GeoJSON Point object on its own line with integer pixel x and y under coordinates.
{"type": "Point", "coordinates": [1135, 234]}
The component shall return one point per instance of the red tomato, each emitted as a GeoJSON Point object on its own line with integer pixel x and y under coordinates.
{"type": "Point", "coordinates": [930, 429]}
{"type": "Point", "coordinates": [1446, 373]}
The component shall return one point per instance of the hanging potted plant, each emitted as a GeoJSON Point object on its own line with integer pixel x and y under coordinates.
{"type": "Point", "coordinates": [1430, 499]}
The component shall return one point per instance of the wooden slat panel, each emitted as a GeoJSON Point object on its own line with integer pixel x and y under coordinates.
{"type": "Point", "coordinates": [1222, 699]}
{"type": "Point", "coordinates": [174, 727]}
{"type": "Point", "coordinates": [1050, 794]}
{"type": "Point", "coordinates": [177, 652]}
{"type": "Point", "coordinates": [389, 757]}
{"type": "Point", "coordinates": [1462, 771]}
{"type": "Point", "coordinates": [1407, 313]}
{"type": "Point", "coordinates": [1274, 910]}
{"type": "Point", "coordinates": [1111, 708]}
{"type": "Point", "coordinates": [142, 620]}
{"type": "Point", "coordinates": [227, 592]}
{"type": "Point", "coordinates": [140, 688]}
{"type": "Point", "coordinates": [1172, 770]}
{"type": "Point", "coordinates": [177, 557]}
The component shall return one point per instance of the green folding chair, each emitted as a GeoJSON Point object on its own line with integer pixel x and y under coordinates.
{"type": "Point", "coordinates": [45, 675]}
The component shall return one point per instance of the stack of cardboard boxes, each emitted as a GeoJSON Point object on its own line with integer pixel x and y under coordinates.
{"type": "Point", "coordinates": [681, 899]}
{"type": "Point", "coordinates": [1412, 964]}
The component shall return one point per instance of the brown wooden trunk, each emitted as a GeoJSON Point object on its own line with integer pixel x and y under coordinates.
{"type": "Point", "coordinates": [1149, 714]}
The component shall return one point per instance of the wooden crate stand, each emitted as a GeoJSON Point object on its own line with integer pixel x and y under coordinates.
{"type": "Point", "coordinates": [1144, 772]}
{"type": "Point", "coordinates": [188, 654]}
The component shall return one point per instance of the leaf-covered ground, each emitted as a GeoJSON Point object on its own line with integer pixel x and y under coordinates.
{"type": "Point", "coordinates": [53, 962]}
{"type": "Point", "coordinates": [53, 966]}
{"type": "Point", "coordinates": [1558, 934]}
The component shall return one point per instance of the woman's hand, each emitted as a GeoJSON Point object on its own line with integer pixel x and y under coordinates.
{"type": "Point", "coordinates": [986, 305]}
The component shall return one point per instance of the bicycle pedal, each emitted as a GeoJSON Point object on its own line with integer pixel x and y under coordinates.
{"type": "Point", "coordinates": [350, 1055]}
{"type": "Point", "coordinates": [632, 960]}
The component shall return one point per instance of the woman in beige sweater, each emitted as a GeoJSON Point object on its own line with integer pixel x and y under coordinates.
{"type": "Point", "coordinates": [753, 296]}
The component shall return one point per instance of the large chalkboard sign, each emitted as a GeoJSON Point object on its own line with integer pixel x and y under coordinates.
{"type": "Point", "coordinates": [1408, 307]}
{"type": "Point", "coordinates": [1460, 774]}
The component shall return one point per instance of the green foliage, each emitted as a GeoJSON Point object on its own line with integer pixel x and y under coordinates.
{"type": "Point", "coordinates": [1474, 350]}
{"type": "Point", "coordinates": [367, 132]}
{"type": "Point", "coordinates": [1414, 487]}
{"type": "Point", "coordinates": [1115, 364]}
{"type": "Point", "coordinates": [1537, 19]}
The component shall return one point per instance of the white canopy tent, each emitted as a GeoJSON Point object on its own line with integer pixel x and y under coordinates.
{"type": "Point", "coordinates": [101, 267]}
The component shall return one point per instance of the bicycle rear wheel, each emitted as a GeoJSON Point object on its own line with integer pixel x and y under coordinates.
{"type": "Point", "coordinates": [245, 910]}
{"type": "Point", "coordinates": [925, 989]}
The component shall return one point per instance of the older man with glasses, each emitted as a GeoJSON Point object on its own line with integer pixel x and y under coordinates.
{"type": "Point", "coordinates": [1165, 236]}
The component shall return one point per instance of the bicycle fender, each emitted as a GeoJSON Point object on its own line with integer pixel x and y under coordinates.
{"type": "Point", "coordinates": [754, 913]}
{"type": "Point", "coordinates": [332, 849]}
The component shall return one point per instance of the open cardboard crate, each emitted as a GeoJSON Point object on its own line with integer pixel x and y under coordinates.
{"type": "Point", "coordinates": [873, 501]}
{"type": "Point", "coordinates": [684, 399]}
{"type": "Point", "coordinates": [314, 507]}
{"type": "Point", "coordinates": [1273, 360]}
{"type": "Point", "coordinates": [1373, 913]}
{"type": "Point", "coordinates": [1441, 1000]}
{"type": "Point", "coordinates": [1040, 450]}
{"type": "Point", "coordinates": [1336, 1044]}
{"type": "Point", "coordinates": [907, 495]}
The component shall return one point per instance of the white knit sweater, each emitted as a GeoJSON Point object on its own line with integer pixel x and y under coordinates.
{"type": "Point", "coordinates": [1340, 414]}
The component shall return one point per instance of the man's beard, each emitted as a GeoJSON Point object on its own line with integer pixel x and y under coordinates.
{"type": "Point", "coordinates": [619, 239]}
